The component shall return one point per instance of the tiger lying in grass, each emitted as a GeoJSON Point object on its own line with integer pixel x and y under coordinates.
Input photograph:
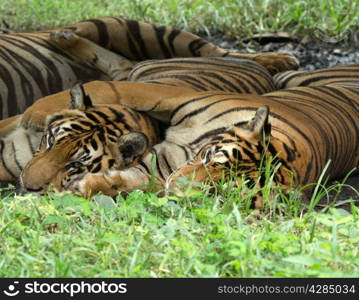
{"type": "Point", "coordinates": [37, 64]}
{"type": "Point", "coordinates": [176, 76]}
{"type": "Point", "coordinates": [213, 134]}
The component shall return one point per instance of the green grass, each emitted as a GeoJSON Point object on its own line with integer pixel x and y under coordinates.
{"type": "Point", "coordinates": [197, 235]}
{"type": "Point", "coordinates": [235, 18]}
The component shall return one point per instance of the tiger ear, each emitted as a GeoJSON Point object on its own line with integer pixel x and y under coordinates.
{"type": "Point", "coordinates": [79, 99]}
{"type": "Point", "coordinates": [258, 126]}
{"type": "Point", "coordinates": [131, 147]}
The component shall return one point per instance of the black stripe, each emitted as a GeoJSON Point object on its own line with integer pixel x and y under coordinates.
{"type": "Point", "coordinates": [290, 153]}
{"type": "Point", "coordinates": [95, 169]}
{"type": "Point", "coordinates": [134, 34]}
{"type": "Point", "coordinates": [30, 144]}
{"type": "Point", "coordinates": [76, 127]}
{"type": "Point", "coordinates": [160, 32]}
{"type": "Point", "coordinates": [196, 45]}
{"type": "Point", "coordinates": [104, 39]}
{"type": "Point", "coordinates": [120, 117]}
{"type": "Point", "coordinates": [145, 167]}
{"type": "Point", "coordinates": [333, 76]}
{"type": "Point", "coordinates": [158, 168]}
{"type": "Point", "coordinates": [184, 149]}
{"type": "Point", "coordinates": [11, 98]}
{"type": "Point", "coordinates": [174, 33]}
{"type": "Point", "coordinates": [15, 157]}
{"type": "Point", "coordinates": [200, 110]}
{"type": "Point", "coordinates": [94, 144]}
{"type": "Point", "coordinates": [55, 118]}
{"type": "Point", "coordinates": [207, 135]}
{"type": "Point", "coordinates": [228, 111]}
{"type": "Point", "coordinates": [2, 146]}
{"type": "Point", "coordinates": [169, 168]}
{"type": "Point", "coordinates": [175, 111]}
{"type": "Point", "coordinates": [236, 154]}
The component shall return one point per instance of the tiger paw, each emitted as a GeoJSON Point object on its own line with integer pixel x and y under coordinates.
{"type": "Point", "coordinates": [64, 39]}
{"type": "Point", "coordinates": [272, 61]}
{"type": "Point", "coordinates": [92, 184]}
{"type": "Point", "coordinates": [277, 62]}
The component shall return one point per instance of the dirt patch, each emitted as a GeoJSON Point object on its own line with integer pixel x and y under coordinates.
{"type": "Point", "coordinates": [312, 53]}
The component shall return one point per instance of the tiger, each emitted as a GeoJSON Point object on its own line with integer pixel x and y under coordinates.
{"type": "Point", "coordinates": [36, 64]}
{"type": "Point", "coordinates": [176, 76]}
{"type": "Point", "coordinates": [214, 131]}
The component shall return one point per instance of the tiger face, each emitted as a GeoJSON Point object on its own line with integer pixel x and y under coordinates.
{"type": "Point", "coordinates": [88, 139]}
{"type": "Point", "coordinates": [236, 151]}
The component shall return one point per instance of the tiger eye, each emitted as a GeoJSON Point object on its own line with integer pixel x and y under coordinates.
{"type": "Point", "coordinates": [73, 165]}
{"type": "Point", "coordinates": [77, 164]}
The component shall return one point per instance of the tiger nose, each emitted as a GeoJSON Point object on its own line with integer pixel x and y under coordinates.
{"type": "Point", "coordinates": [32, 189]}
{"type": "Point", "coordinates": [30, 186]}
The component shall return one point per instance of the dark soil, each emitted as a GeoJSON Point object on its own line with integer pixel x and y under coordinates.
{"type": "Point", "coordinates": [312, 54]}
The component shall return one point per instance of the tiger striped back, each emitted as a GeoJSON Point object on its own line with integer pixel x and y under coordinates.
{"type": "Point", "coordinates": [205, 74]}
{"type": "Point", "coordinates": [347, 75]}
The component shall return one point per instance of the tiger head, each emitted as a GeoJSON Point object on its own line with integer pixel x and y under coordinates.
{"type": "Point", "coordinates": [88, 139]}
{"type": "Point", "coordinates": [235, 152]}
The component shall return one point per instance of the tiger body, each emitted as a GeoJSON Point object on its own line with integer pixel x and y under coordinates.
{"type": "Point", "coordinates": [212, 131]}
{"type": "Point", "coordinates": [202, 74]}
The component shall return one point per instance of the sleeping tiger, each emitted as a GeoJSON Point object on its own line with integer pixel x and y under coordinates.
{"type": "Point", "coordinates": [176, 76]}
{"type": "Point", "coordinates": [37, 64]}
{"type": "Point", "coordinates": [212, 133]}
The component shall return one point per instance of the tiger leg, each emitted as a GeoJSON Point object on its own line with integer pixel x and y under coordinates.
{"type": "Point", "coordinates": [6, 127]}
{"type": "Point", "coordinates": [272, 61]}
{"type": "Point", "coordinates": [16, 150]}
{"type": "Point", "coordinates": [113, 65]}
{"type": "Point", "coordinates": [141, 41]}
{"type": "Point", "coordinates": [111, 183]}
